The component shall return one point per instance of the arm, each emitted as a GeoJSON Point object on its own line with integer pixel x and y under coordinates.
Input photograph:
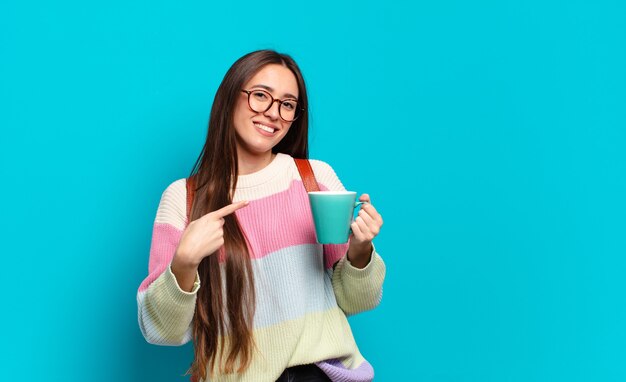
{"type": "Point", "coordinates": [167, 297]}
{"type": "Point", "coordinates": [165, 311]}
{"type": "Point", "coordinates": [356, 269]}
{"type": "Point", "coordinates": [359, 289]}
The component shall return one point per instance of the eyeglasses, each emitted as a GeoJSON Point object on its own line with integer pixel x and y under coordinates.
{"type": "Point", "coordinates": [261, 101]}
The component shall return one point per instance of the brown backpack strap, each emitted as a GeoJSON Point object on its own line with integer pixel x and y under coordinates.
{"type": "Point", "coordinates": [306, 173]}
{"type": "Point", "coordinates": [191, 191]}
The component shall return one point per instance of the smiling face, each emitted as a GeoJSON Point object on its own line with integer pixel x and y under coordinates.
{"type": "Point", "coordinates": [258, 133]}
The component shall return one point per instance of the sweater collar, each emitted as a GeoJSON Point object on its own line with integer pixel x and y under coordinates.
{"type": "Point", "coordinates": [278, 165]}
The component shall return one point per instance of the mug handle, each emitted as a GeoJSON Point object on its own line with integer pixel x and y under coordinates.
{"type": "Point", "coordinates": [356, 204]}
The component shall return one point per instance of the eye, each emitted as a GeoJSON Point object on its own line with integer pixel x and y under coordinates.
{"type": "Point", "coordinates": [260, 95]}
{"type": "Point", "coordinates": [289, 105]}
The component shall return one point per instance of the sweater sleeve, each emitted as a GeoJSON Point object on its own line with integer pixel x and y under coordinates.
{"type": "Point", "coordinates": [165, 311]}
{"type": "Point", "coordinates": [356, 290]}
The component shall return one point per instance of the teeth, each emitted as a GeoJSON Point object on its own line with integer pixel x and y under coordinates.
{"type": "Point", "coordinates": [264, 128]}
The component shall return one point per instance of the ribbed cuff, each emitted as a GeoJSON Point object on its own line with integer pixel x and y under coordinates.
{"type": "Point", "coordinates": [360, 273]}
{"type": "Point", "coordinates": [174, 291]}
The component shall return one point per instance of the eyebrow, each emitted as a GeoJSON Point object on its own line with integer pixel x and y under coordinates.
{"type": "Point", "coordinates": [270, 89]}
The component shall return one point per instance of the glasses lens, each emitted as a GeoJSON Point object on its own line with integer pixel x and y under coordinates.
{"type": "Point", "coordinates": [259, 100]}
{"type": "Point", "coordinates": [289, 110]}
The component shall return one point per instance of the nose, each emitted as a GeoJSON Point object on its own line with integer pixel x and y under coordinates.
{"type": "Point", "coordinates": [273, 112]}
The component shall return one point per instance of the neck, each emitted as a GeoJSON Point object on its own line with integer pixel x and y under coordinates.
{"type": "Point", "coordinates": [249, 163]}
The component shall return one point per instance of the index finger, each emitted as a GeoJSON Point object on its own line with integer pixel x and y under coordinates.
{"type": "Point", "coordinates": [373, 212]}
{"type": "Point", "coordinates": [365, 198]}
{"type": "Point", "coordinates": [229, 209]}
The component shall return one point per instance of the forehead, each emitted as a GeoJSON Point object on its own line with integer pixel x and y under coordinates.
{"type": "Point", "coordinates": [278, 78]}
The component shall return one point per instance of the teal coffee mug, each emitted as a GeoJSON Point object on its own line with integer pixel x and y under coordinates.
{"type": "Point", "coordinates": [333, 212]}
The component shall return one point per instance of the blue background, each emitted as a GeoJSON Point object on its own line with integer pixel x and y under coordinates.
{"type": "Point", "coordinates": [491, 135]}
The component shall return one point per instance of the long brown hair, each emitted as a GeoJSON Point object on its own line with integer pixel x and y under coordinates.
{"type": "Point", "coordinates": [226, 300]}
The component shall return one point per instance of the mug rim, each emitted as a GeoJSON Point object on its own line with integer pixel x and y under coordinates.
{"type": "Point", "coordinates": [331, 192]}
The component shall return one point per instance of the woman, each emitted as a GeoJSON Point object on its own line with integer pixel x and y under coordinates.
{"type": "Point", "coordinates": [245, 279]}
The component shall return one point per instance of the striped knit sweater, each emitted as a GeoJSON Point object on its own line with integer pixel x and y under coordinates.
{"type": "Point", "coordinates": [301, 302]}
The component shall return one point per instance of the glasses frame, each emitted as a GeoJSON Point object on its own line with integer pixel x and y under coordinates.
{"type": "Point", "coordinates": [298, 111]}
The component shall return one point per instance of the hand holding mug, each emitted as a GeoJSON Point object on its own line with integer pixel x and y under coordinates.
{"type": "Point", "coordinates": [364, 229]}
{"type": "Point", "coordinates": [367, 224]}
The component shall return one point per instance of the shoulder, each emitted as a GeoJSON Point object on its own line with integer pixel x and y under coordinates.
{"type": "Point", "coordinates": [326, 175]}
{"type": "Point", "coordinates": [321, 167]}
{"type": "Point", "coordinates": [176, 189]}
{"type": "Point", "coordinates": [172, 207]}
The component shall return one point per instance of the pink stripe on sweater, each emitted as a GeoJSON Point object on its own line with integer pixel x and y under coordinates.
{"type": "Point", "coordinates": [165, 239]}
{"type": "Point", "coordinates": [283, 220]}
{"type": "Point", "coordinates": [270, 224]}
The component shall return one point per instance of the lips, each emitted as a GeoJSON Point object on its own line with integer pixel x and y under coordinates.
{"type": "Point", "coordinates": [265, 128]}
